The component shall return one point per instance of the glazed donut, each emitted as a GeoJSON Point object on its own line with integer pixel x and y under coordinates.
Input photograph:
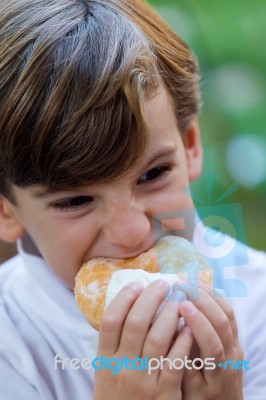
{"type": "Point", "coordinates": [100, 279]}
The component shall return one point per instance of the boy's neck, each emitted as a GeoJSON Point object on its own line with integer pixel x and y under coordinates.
{"type": "Point", "coordinates": [29, 246]}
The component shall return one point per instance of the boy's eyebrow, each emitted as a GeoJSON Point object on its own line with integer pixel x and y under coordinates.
{"type": "Point", "coordinates": [45, 192]}
{"type": "Point", "coordinates": [166, 151]}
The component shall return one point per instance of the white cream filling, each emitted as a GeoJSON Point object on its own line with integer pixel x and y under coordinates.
{"type": "Point", "coordinates": [123, 276]}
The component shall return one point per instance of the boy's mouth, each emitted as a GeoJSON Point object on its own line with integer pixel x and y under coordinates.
{"type": "Point", "coordinates": [132, 254]}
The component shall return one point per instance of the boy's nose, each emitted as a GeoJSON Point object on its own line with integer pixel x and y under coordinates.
{"type": "Point", "coordinates": [127, 227]}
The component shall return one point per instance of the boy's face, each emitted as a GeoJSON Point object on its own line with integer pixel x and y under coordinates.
{"type": "Point", "coordinates": [115, 219]}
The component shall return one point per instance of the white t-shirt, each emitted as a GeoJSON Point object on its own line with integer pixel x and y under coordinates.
{"type": "Point", "coordinates": [39, 320]}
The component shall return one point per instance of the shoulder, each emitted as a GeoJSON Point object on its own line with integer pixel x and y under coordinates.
{"type": "Point", "coordinates": [16, 365]}
{"type": "Point", "coordinates": [11, 344]}
{"type": "Point", "coordinates": [251, 318]}
{"type": "Point", "coordinates": [241, 271]}
{"type": "Point", "coordinates": [8, 266]}
{"type": "Point", "coordinates": [8, 271]}
{"type": "Point", "coordinates": [231, 258]}
{"type": "Point", "coordinates": [247, 264]}
{"type": "Point", "coordinates": [257, 259]}
{"type": "Point", "coordinates": [12, 347]}
{"type": "Point", "coordinates": [9, 263]}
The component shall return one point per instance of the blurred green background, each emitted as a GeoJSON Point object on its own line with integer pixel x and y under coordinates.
{"type": "Point", "coordinates": [229, 41]}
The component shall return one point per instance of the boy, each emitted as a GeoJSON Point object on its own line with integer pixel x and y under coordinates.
{"type": "Point", "coordinates": [98, 138]}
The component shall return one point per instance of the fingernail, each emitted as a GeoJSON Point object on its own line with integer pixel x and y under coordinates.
{"type": "Point", "coordinates": [189, 308]}
{"type": "Point", "coordinates": [160, 282]}
{"type": "Point", "coordinates": [175, 296]}
{"type": "Point", "coordinates": [136, 286]}
{"type": "Point", "coordinates": [187, 330]}
{"type": "Point", "coordinates": [219, 292]}
{"type": "Point", "coordinates": [180, 325]}
{"type": "Point", "coordinates": [191, 290]}
{"type": "Point", "coordinates": [180, 286]}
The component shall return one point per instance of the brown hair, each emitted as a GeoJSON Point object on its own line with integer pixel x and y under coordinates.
{"type": "Point", "coordinates": [74, 76]}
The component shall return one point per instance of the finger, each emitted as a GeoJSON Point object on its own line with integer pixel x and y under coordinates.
{"type": "Point", "coordinates": [220, 297]}
{"type": "Point", "coordinates": [139, 318]}
{"type": "Point", "coordinates": [161, 333]}
{"type": "Point", "coordinates": [209, 342]}
{"type": "Point", "coordinates": [192, 384]}
{"type": "Point", "coordinates": [213, 311]}
{"type": "Point", "coordinates": [173, 366]}
{"type": "Point", "coordinates": [217, 317]}
{"type": "Point", "coordinates": [114, 317]}
{"type": "Point", "coordinates": [228, 310]}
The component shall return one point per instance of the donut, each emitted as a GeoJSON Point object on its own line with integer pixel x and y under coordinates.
{"type": "Point", "coordinates": [100, 279]}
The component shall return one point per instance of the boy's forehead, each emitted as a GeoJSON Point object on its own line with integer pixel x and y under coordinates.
{"type": "Point", "coordinates": [160, 109]}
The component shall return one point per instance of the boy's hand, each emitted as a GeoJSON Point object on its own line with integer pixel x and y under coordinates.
{"type": "Point", "coordinates": [212, 322]}
{"type": "Point", "coordinates": [127, 330]}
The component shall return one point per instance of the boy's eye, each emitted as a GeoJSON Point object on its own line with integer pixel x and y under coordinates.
{"type": "Point", "coordinates": [73, 203]}
{"type": "Point", "coordinates": [154, 173]}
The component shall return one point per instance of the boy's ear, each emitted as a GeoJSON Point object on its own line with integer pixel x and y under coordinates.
{"type": "Point", "coordinates": [10, 227]}
{"type": "Point", "coordinates": [193, 149]}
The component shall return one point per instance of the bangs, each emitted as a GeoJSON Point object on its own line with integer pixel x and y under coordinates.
{"type": "Point", "coordinates": [78, 102]}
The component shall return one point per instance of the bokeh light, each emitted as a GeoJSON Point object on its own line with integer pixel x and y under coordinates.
{"type": "Point", "coordinates": [246, 161]}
